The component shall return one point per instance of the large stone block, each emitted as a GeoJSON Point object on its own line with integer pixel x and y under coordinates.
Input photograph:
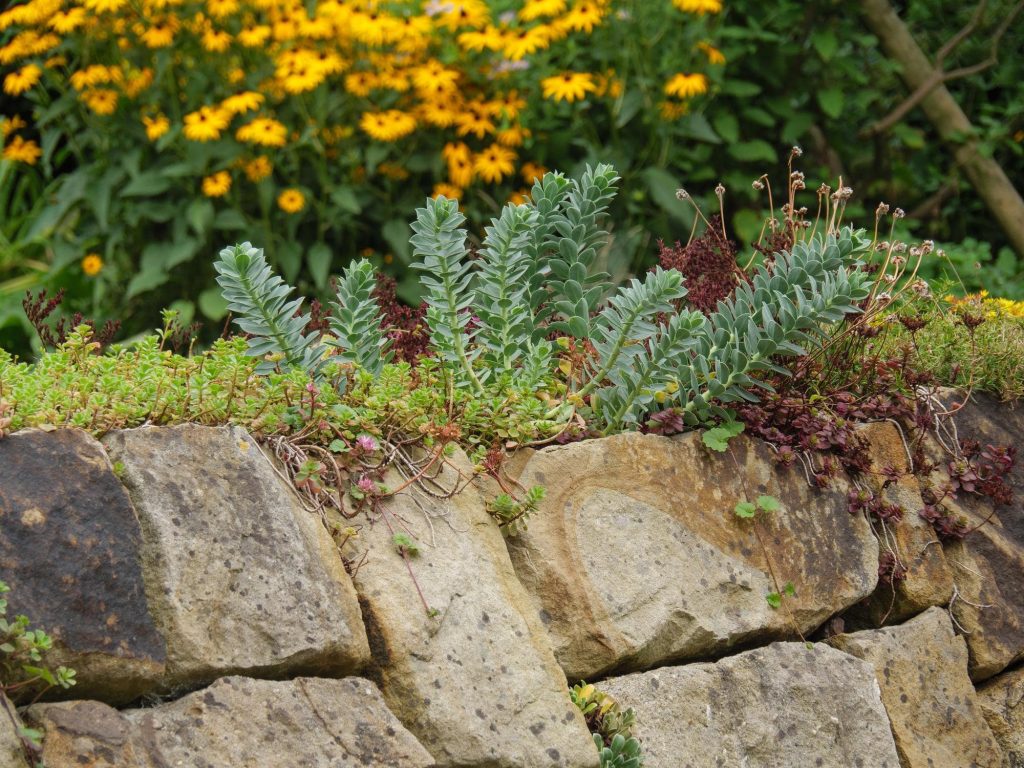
{"type": "Point", "coordinates": [476, 682]}
{"type": "Point", "coordinates": [70, 551]}
{"type": "Point", "coordinates": [240, 578]}
{"type": "Point", "coordinates": [11, 753]}
{"type": "Point", "coordinates": [921, 667]}
{"type": "Point", "coordinates": [987, 566]}
{"type": "Point", "coordinates": [1002, 703]}
{"type": "Point", "coordinates": [235, 723]}
{"type": "Point", "coordinates": [911, 544]}
{"type": "Point", "coordinates": [782, 706]}
{"type": "Point", "coordinates": [636, 557]}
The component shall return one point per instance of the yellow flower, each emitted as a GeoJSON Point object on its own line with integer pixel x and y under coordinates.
{"type": "Point", "coordinates": [393, 171]}
{"type": "Point", "coordinates": [568, 86]}
{"type": "Point", "coordinates": [264, 131]}
{"type": "Point", "coordinates": [9, 125]}
{"type": "Point", "coordinates": [478, 40]}
{"type": "Point", "coordinates": [714, 55]}
{"type": "Point", "coordinates": [476, 119]}
{"type": "Point", "coordinates": [442, 189]}
{"type": "Point", "coordinates": [291, 201]}
{"type": "Point", "coordinates": [258, 169]}
{"type": "Point", "coordinates": [67, 21]}
{"type": "Point", "coordinates": [254, 37]}
{"type": "Point", "coordinates": [161, 33]}
{"type": "Point", "coordinates": [700, 7]}
{"type": "Point", "coordinates": [520, 43]}
{"type": "Point", "coordinates": [534, 9]}
{"type": "Point", "coordinates": [390, 125]}
{"type": "Point", "coordinates": [217, 185]}
{"type": "Point", "coordinates": [519, 197]}
{"type": "Point", "coordinates": [360, 83]}
{"type": "Point", "coordinates": [92, 264]}
{"type": "Point", "coordinates": [216, 40]}
{"type": "Point", "coordinates": [683, 86]}
{"type": "Point", "coordinates": [513, 136]}
{"type": "Point", "coordinates": [433, 77]}
{"type": "Point", "coordinates": [494, 163]}
{"type": "Point", "coordinates": [97, 74]}
{"type": "Point", "coordinates": [532, 172]}
{"type": "Point", "coordinates": [673, 110]}
{"type": "Point", "coordinates": [460, 164]}
{"type": "Point", "coordinates": [583, 17]}
{"type": "Point", "coordinates": [20, 81]}
{"type": "Point", "coordinates": [156, 126]}
{"type": "Point", "coordinates": [206, 124]}
{"type": "Point", "coordinates": [221, 8]}
{"type": "Point", "coordinates": [102, 101]}
{"type": "Point", "coordinates": [104, 6]}
{"type": "Point", "coordinates": [138, 82]}
{"type": "Point", "coordinates": [21, 151]}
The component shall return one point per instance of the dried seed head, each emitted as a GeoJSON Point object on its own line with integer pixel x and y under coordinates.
{"type": "Point", "coordinates": [899, 213]}
{"type": "Point", "coordinates": [720, 191]}
{"type": "Point", "coordinates": [921, 288]}
{"type": "Point", "coordinates": [758, 184]}
{"type": "Point", "coordinates": [796, 152]}
{"type": "Point", "coordinates": [682, 194]}
{"type": "Point", "coordinates": [824, 190]}
{"type": "Point", "coordinates": [882, 209]}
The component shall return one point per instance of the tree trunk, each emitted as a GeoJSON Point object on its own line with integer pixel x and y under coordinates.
{"type": "Point", "coordinates": [984, 173]}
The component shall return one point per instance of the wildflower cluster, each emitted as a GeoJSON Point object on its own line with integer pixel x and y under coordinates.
{"type": "Point", "coordinates": [306, 123]}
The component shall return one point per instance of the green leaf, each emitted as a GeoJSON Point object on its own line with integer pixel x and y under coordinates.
{"type": "Point", "coordinates": [825, 43]}
{"type": "Point", "coordinates": [397, 233]}
{"type": "Point", "coordinates": [774, 600]}
{"type": "Point", "coordinates": [717, 438]}
{"type": "Point", "coordinates": [831, 101]}
{"type": "Point", "coordinates": [146, 280]}
{"type": "Point", "coordinates": [696, 126]}
{"type": "Point", "coordinates": [318, 259]}
{"type": "Point", "coordinates": [728, 126]}
{"type": "Point", "coordinates": [752, 151]}
{"type": "Point", "coordinates": [346, 199]}
{"type": "Point", "coordinates": [745, 509]}
{"type": "Point", "coordinates": [146, 185]}
{"type": "Point", "coordinates": [768, 503]}
{"type": "Point", "coordinates": [789, 589]}
{"type": "Point", "coordinates": [230, 219]}
{"type": "Point", "coordinates": [662, 186]}
{"type": "Point", "coordinates": [337, 446]}
{"type": "Point", "coordinates": [200, 215]}
{"type": "Point", "coordinates": [747, 225]}
{"type": "Point", "coordinates": [212, 304]}
{"type": "Point", "coordinates": [740, 88]}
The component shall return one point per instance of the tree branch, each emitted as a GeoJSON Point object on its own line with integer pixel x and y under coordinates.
{"type": "Point", "coordinates": [939, 77]}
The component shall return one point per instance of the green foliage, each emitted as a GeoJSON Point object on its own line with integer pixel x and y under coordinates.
{"type": "Point", "coordinates": [405, 545]}
{"type": "Point", "coordinates": [259, 298]}
{"type": "Point", "coordinates": [610, 725]}
{"type": "Point", "coordinates": [511, 514]}
{"type": "Point", "coordinates": [774, 599]}
{"type": "Point", "coordinates": [747, 510]}
{"type": "Point", "coordinates": [21, 656]}
{"type": "Point", "coordinates": [717, 438]}
{"type": "Point", "coordinates": [356, 323]}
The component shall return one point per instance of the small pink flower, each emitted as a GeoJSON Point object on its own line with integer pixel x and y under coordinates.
{"type": "Point", "coordinates": [366, 443]}
{"type": "Point", "coordinates": [365, 484]}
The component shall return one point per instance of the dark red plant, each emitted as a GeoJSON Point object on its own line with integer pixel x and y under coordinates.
{"type": "Point", "coordinates": [39, 308]}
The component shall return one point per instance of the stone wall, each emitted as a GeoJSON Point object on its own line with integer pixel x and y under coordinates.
{"type": "Point", "coordinates": [212, 621]}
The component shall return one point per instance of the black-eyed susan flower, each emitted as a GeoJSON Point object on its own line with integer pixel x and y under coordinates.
{"type": "Point", "coordinates": [21, 80]}
{"type": "Point", "coordinates": [291, 200]}
{"type": "Point", "coordinates": [389, 125]}
{"type": "Point", "coordinates": [494, 163]}
{"type": "Point", "coordinates": [102, 101]}
{"type": "Point", "coordinates": [206, 124]}
{"type": "Point", "coordinates": [699, 7]}
{"type": "Point", "coordinates": [258, 169]}
{"type": "Point", "coordinates": [156, 126]}
{"type": "Point", "coordinates": [714, 55]}
{"type": "Point", "coordinates": [443, 189]}
{"type": "Point", "coordinates": [583, 16]}
{"type": "Point", "coordinates": [683, 86]}
{"type": "Point", "coordinates": [240, 103]}
{"type": "Point", "coordinates": [264, 131]}
{"type": "Point", "coordinates": [532, 172]}
{"type": "Point", "coordinates": [217, 184]}
{"type": "Point", "coordinates": [535, 9]}
{"type": "Point", "coordinates": [22, 151]}
{"type": "Point", "coordinates": [161, 33]}
{"type": "Point", "coordinates": [92, 264]}
{"type": "Point", "coordinates": [568, 86]}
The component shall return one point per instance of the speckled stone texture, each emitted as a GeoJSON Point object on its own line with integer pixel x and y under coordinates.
{"type": "Point", "coordinates": [70, 549]}
{"type": "Point", "coordinates": [921, 667]}
{"type": "Point", "coordinates": [240, 578]}
{"type": "Point", "coordinates": [636, 557]}
{"type": "Point", "coordinates": [782, 706]}
{"type": "Point", "coordinates": [236, 723]}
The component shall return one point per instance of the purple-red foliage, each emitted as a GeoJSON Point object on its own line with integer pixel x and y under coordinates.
{"type": "Point", "coordinates": [708, 263]}
{"type": "Point", "coordinates": [39, 308]}
{"type": "Point", "coordinates": [404, 324]}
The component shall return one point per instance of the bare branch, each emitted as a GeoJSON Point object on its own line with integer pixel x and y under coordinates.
{"type": "Point", "coordinates": [958, 38]}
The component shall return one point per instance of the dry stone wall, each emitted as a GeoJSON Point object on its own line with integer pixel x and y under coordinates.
{"type": "Point", "coordinates": [212, 620]}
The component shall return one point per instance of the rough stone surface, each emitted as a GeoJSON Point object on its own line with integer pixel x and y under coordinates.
{"type": "Point", "coordinates": [11, 753]}
{"type": "Point", "coordinates": [988, 566]}
{"type": "Point", "coordinates": [70, 551]}
{"type": "Point", "coordinates": [236, 723]}
{"type": "Point", "coordinates": [1002, 702]}
{"type": "Point", "coordinates": [240, 578]}
{"type": "Point", "coordinates": [477, 682]}
{"type": "Point", "coordinates": [636, 557]}
{"type": "Point", "coordinates": [775, 707]}
{"type": "Point", "coordinates": [921, 667]}
{"type": "Point", "coordinates": [912, 543]}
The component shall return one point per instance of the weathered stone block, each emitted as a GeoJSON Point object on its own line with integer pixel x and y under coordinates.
{"type": "Point", "coordinates": [70, 551]}
{"type": "Point", "coordinates": [11, 753]}
{"type": "Point", "coordinates": [236, 723]}
{"type": "Point", "coordinates": [477, 682]}
{"type": "Point", "coordinates": [240, 578]}
{"type": "Point", "coordinates": [636, 557]}
{"type": "Point", "coordinates": [1002, 703]}
{"type": "Point", "coordinates": [775, 707]}
{"type": "Point", "coordinates": [921, 667]}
